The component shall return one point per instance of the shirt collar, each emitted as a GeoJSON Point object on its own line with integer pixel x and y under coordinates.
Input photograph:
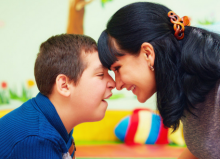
{"type": "Point", "coordinates": [49, 111]}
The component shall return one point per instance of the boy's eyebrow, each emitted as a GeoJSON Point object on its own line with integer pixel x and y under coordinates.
{"type": "Point", "coordinates": [99, 67]}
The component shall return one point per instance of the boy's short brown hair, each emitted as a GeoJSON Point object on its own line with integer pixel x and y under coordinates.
{"type": "Point", "coordinates": [61, 54]}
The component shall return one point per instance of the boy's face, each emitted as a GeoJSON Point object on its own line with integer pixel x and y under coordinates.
{"type": "Point", "coordinates": [93, 87]}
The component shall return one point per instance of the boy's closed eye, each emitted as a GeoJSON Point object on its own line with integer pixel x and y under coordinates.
{"type": "Point", "coordinates": [99, 71]}
{"type": "Point", "coordinates": [101, 74]}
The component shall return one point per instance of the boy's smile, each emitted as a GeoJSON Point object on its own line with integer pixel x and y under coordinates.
{"type": "Point", "coordinates": [107, 98]}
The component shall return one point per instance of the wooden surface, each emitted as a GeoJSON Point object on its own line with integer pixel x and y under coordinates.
{"type": "Point", "coordinates": [125, 151]}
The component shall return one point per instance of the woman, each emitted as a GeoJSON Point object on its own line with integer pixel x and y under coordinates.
{"type": "Point", "coordinates": [151, 49]}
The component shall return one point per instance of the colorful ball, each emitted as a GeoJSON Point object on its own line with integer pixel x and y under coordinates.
{"type": "Point", "coordinates": [142, 127]}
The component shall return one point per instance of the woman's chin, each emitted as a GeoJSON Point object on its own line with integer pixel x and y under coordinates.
{"type": "Point", "coordinates": [141, 100]}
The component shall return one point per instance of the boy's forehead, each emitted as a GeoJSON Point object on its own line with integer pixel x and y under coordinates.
{"type": "Point", "coordinates": [92, 60]}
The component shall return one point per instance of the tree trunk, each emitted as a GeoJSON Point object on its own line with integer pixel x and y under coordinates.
{"type": "Point", "coordinates": [75, 20]}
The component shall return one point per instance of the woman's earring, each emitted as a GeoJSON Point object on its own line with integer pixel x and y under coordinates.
{"type": "Point", "coordinates": [151, 67]}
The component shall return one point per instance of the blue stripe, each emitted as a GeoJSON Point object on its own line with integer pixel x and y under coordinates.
{"type": "Point", "coordinates": [121, 128]}
{"type": "Point", "coordinates": [155, 128]}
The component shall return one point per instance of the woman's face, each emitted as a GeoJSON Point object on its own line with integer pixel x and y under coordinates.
{"type": "Point", "coordinates": [134, 73]}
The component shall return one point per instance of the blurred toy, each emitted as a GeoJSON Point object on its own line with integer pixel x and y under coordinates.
{"type": "Point", "coordinates": [177, 137]}
{"type": "Point", "coordinates": [145, 126]}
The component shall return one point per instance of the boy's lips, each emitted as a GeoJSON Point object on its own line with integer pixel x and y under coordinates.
{"type": "Point", "coordinates": [108, 96]}
{"type": "Point", "coordinates": [103, 100]}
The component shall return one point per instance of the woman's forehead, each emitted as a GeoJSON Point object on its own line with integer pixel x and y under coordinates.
{"type": "Point", "coordinates": [119, 60]}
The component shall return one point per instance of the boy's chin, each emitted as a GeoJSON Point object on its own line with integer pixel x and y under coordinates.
{"type": "Point", "coordinates": [103, 105]}
{"type": "Point", "coordinates": [100, 112]}
{"type": "Point", "coordinates": [97, 118]}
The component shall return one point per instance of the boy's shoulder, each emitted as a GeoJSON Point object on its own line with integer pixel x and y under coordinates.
{"type": "Point", "coordinates": [26, 124]}
{"type": "Point", "coordinates": [22, 118]}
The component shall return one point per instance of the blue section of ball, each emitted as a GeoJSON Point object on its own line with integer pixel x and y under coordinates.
{"type": "Point", "coordinates": [154, 131]}
{"type": "Point", "coordinates": [121, 128]}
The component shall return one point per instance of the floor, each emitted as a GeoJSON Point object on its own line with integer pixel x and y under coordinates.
{"type": "Point", "coordinates": [128, 152]}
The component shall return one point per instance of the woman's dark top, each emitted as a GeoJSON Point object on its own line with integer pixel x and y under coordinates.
{"type": "Point", "coordinates": [202, 133]}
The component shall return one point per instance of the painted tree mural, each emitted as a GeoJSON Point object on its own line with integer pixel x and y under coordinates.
{"type": "Point", "coordinates": [76, 15]}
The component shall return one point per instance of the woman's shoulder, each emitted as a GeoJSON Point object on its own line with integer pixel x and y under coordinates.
{"type": "Point", "coordinates": [201, 130]}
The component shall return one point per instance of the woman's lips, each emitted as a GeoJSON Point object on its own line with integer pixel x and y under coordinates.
{"type": "Point", "coordinates": [133, 89]}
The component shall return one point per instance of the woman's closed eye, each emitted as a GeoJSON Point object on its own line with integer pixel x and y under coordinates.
{"type": "Point", "coordinates": [116, 69]}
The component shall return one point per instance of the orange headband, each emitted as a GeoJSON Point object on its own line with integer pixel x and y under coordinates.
{"type": "Point", "coordinates": [178, 24]}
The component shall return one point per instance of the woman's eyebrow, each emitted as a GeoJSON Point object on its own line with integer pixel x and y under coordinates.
{"type": "Point", "coordinates": [114, 67]}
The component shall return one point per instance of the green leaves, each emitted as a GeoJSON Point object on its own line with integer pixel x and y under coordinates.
{"type": "Point", "coordinates": [26, 94]}
{"type": "Point", "coordinates": [103, 2]}
{"type": "Point", "coordinates": [4, 99]}
{"type": "Point", "coordinates": [117, 96]}
{"type": "Point", "coordinates": [206, 22]}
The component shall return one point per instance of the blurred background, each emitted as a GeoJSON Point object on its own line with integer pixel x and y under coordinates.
{"type": "Point", "coordinates": [25, 24]}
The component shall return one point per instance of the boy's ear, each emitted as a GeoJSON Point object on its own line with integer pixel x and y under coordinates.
{"type": "Point", "coordinates": [147, 51]}
{"type": "Point", "coordinates": [63, 85]}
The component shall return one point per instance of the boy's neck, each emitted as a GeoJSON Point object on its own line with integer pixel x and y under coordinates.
{"type": "Point", "coordinates": [65, 110]}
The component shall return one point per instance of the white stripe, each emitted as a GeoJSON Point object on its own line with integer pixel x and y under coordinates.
{"type": "Point", "coordinates": [66, 156]}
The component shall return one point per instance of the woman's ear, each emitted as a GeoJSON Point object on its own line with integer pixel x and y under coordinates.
{"type": "Point", "coordinates": [63, 85]}
{"type": "Point", "coordinates": [147, 51]}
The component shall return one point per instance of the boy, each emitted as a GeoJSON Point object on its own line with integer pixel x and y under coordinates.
{"type": "Point", "coordinates": [73, 85]}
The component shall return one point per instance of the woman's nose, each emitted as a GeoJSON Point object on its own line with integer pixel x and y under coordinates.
{"type": "Point", "coordinates": [111, 83]}
{"type": "Point", "coordinates": [119, 83]}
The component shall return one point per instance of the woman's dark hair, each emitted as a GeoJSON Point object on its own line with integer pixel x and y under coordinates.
{"type": "Point", "coordinates": [61, 54]}
{"type": "Point", "coordinates": [185, 70]}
